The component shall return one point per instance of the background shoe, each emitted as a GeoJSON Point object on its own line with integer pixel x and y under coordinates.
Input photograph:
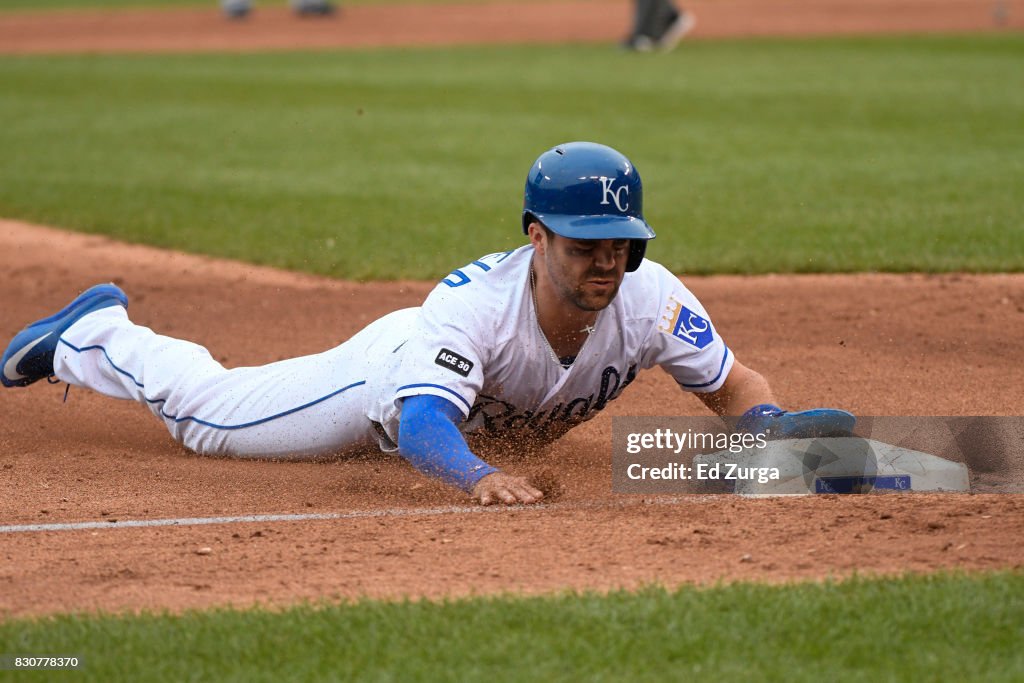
{"type": "Point", "coordinates": [638, 44]}
{"type": "Point", "coordinates": [312, 8]}
{"type": "Point", "coordinates": [682, 24]}
{"type": "Point", "coordinates": [236, 9]}
{"type": "Point", "coordinates": [29, 356]}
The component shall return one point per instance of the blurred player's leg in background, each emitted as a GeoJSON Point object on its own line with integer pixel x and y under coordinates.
{"type": "Point", "coordinates": [236, 9]}
{"type": "Point", "coordinates": [638, 39]}
{"type": "Point", "coordinates": [239, 9]}
{"type": "Point", "coordinates": [657, 25]}
{"type": "Point", "coordinates": [678, 24]}
{"type": "Point", "coordinates": [311, 8]}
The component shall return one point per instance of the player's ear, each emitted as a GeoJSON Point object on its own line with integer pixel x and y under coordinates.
{"type": "Point", "coordinates": [538, 236]}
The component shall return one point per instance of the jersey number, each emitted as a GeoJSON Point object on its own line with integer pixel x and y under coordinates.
{"type": "Point", "coordinates": [457, 278]}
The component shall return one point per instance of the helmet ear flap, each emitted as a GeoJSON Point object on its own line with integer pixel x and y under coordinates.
{"type": "Point", "coordinates": [637, 248]}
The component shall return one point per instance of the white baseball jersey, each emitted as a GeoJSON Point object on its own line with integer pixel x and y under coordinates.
{"type": "Point", "coordinates": [477, 343]}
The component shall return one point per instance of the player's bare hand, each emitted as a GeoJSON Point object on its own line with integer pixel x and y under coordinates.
{"type": "Point", "coordinates": [505, 488]}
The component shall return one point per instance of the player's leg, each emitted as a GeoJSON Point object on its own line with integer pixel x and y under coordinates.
{"type": "Point", "coordinates": [674, 23]}
{"type": "Point", "coordinates": [298, 407]}
{"type": "Point", "coordinates": [658, 24]}
{"type": "Point", "coordinates": [294, 408]}
{"type": "Point", "coordinates": [641, 36]}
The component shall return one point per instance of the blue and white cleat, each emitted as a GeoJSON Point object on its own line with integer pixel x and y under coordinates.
{"type": "Point", "coordinates": [29, 356]}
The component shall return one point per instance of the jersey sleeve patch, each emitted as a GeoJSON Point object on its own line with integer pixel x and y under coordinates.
{"type": "Point", "coordinates": [455, 362]}
{"type": "Point", "coordinates": [680, 322]}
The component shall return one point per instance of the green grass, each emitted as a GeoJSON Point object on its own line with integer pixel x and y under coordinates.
{"type": "Point", "coordinates": [934, 628]}
{"type": "Point", "coordinates": [895, 154]}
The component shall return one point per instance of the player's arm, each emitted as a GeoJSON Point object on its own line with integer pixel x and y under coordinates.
{"type": "Point", "coordinates": [742, 390]}
{"type": "Point", "coordinates": [429, 438]}
{"type": "Point", "coordinates": [745, 394]}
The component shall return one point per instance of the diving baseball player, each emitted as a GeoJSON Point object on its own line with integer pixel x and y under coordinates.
{"type": "Point", "coordinates": [518, 346]}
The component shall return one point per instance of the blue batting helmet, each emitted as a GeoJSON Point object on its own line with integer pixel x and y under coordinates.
{"type": "Point", "coordinates": [587, 191]}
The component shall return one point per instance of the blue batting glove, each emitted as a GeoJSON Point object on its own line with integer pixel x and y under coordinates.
{"type": "Point", "coordinates": [776, 423]}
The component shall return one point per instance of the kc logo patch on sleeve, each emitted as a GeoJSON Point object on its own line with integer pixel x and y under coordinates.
{"type": "Point", "coordinates": [682, 323]}
{"type": "Point", "coordinates": [454, 362]}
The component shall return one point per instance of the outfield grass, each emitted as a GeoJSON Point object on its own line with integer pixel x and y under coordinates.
{"type": "Point", "coordinates": [896, 154]}
{"type": "Point", "coordinates": [949, 628]}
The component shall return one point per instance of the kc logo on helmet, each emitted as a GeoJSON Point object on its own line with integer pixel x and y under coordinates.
{"type": "Point", "coordinates": [614, 193]}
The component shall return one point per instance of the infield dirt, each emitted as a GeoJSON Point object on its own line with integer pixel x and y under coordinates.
{"type": "Point", "coordinates": [274, 28]}
{"type": "Point", "coordinates": [876, 344]}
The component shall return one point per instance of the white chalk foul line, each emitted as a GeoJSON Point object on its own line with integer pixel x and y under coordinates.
{"type": "Point", "coordinates": [195, 521]}
{"type": "Point", "coordinates": [313, 516]}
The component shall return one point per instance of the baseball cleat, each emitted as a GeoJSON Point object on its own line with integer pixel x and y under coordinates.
{"type": "Point", "coordinates": [637, 43]}
{"type": "Point", "coordinates": [29, 356]}
{"type": "Point", "coordinates": [680, 26]}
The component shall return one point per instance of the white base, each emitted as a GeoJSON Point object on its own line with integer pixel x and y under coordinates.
{"type": "Point", "coordinates": [839, 465]}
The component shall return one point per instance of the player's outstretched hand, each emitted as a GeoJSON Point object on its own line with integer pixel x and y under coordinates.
{"type": "Point", "coordinates": [504, 488]}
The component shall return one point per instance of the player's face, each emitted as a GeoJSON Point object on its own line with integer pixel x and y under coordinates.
{"type": "Point", "coordinates": [586, 273]}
